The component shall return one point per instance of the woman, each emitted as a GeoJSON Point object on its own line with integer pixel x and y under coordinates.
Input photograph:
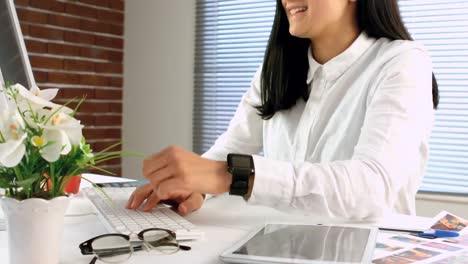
{"type": "Point", "coordinates": [342, 108]}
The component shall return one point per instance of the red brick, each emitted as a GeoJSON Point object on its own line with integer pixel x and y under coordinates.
{"type": "Point", "coordinates": [116, 82]}
{"type": "Point", "coordinates": [46, 62]}
{"type": "Point", "coordinates": [117, 4]}
{"type": "Point", "coordinates": [116, 43]}
{"type": "Point", "coordinates": [86, 120]}
{"type": "Point", "coordinates": [94, 53]}
{"type": "Point", "coordinates": [115, 56]}
{"type": "Point", "coordinates": [93, 107]}
{"type": "Point", "coordinates": [31, 16]}
{"type": "Point", "coordinates": [69, 93]}
{"type": "Point", "coordinates": [24, 29]}
{"type": "Point", "coordinates": [94, 80]}
{"type": "Point", "coordinates": [21, 2]}
{"type": "Point", "coordinates": [63, 78]}
{"type": "Point", "coordinates": [79, 10]}
{"type": "Point", "coordinates": [101, 3]}
{"type": "Point", "coordinates": [108, 94]}
{"type": "Point", "coordinates": [102, 133]}
{"type": "Point", "coordinates": [64, 21]}
{"type": "Point", "coordinates": [50, 5]}
{"type": "Point", "coordinates": [105, 120]}
{"type": "Point", "coordinates": [101, 145]}
{"type": "Point", "coordinates": [109, 67]}
{"type": "Point", "coordinates": [40, 77]}
{"type": "Point", "coordinates": [45, 33]}
{"type": "Point", "coordinates": [115, 107]}
{"type": "Point", "coordinates": [77, 37]}
{"type": "Point", "coordinates": [36, 46]}
{"type": "Point", "coordinates": [94, 26]}
{"type": "Point", "coordinates": [115, 161]}
{"type": "Point", "coordinates": [78, 65]}
{"type": "Point", "coordinates": [116, 30]}
{"type": "Point", "coordinates": [110, 16]}
{"type": "Point", "coordinates": [63, 49]}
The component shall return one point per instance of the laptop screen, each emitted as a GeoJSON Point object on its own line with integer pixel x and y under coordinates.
{"type": "Point", "coordinates": [12, 64]}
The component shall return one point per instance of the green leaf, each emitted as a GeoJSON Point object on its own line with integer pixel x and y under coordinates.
{"type": "Point", "coordinates": [5, 183]}
{"type": "Point", "coordinates": [99, 188]}
{"type": "Point", "coordinates": [26, 183]}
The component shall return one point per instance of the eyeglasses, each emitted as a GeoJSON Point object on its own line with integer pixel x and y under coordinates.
{"type": "Point", "coordinates": [117, 248]}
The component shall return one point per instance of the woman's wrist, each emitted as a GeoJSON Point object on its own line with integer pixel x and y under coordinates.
{"type": "Point", "coordinates": [225, 178]}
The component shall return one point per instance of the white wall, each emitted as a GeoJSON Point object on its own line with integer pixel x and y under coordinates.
{"type": "Point", "coordinates": [158, 77]}
{"type": "Point", "coordinates": [431, 204]}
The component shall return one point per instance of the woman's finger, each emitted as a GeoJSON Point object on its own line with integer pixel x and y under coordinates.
{"type": "Point", "coordinates": [139, 195]}
{"type": "Point", "coordinates": [159, 176]}
{"type": "Point", "coordinates": [130, 201]}
{"type": "Point", "coordinates": [154, 163]}
{"type": "Point", "coordinates": [159, 160]}
{"type": "Point", "coordinates": [151, 202]}
{"type": "Point", "coordinates": [192, 203]}
{"type": "Point", "coordinates": [170, 188]}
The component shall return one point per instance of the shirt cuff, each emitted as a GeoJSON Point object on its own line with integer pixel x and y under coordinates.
{"type": "Point", "coordinates": [273, 185]}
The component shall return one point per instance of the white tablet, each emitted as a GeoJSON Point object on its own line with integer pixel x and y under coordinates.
{"type": "Point", "coordinates": [304, 243]}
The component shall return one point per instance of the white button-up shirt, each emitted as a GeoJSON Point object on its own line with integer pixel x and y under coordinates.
{"type": "Point", "coordinates": [357, 148]}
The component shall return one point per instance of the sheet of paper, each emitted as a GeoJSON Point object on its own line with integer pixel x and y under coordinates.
{"type": "Point", "coordinates": [406, 248]}
{"type": "Point", "coordinates": [448, 221]}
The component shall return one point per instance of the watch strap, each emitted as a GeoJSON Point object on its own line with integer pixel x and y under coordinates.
{"type": "Point", "coordinates": [240, 181]}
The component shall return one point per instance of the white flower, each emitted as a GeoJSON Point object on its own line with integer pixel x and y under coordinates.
{"type": "Point", "coordinates": [60, 132]}
{"type": "Point", "coordinates": [12, 138]}
{"type": "Point", "coordinates": [64, 122]}
{"type": "Point", "coordinates": [55, 143]}
{"type": "Point", "coordinates": [37, 99]}
{"type": "Point", "coordinates": [47, 94]}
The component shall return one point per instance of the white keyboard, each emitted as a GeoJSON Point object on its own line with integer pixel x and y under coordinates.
{"type": "Point", "coordinates": [118, 219]}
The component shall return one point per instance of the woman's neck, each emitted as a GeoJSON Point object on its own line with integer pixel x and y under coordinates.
{"type": "Point", "coordinates": [334, 42]}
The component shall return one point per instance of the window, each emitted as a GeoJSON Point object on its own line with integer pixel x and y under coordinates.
{"type": "Point", "coordinates": [231, 36]}
{"type": "Point", "coordinates": [442, 26]}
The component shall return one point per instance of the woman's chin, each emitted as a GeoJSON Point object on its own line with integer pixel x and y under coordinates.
{"type": "Point", "coordinates": [298, 33]}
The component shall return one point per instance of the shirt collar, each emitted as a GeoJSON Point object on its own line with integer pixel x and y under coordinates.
{"type": "Point", "coordinates": [338, 65]}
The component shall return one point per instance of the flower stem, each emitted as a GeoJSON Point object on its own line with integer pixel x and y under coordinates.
{"type": "Point", "coordinates": [99, 188]}
{"type": "Point", "coordinates": [52, 179]}
{"type": "Point", "coordinates": [2, 139]}
{"type": "Point", "coordinates": [18, 173]}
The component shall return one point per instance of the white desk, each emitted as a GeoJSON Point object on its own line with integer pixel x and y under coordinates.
{"type": "Point", "coordinates": [224, 220]}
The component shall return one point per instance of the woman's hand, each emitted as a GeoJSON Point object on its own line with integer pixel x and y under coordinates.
{"type": "Point", "coordinates": [187, 202]}
{"type": "Point", "coordinates": [174, 171]}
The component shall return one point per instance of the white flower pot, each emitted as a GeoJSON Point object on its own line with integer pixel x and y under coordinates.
{"type": "Point", "coordinates": [35, 228]}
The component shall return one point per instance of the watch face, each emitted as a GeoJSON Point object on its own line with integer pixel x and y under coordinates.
{"type": "Point", "coordinates": [240, 161]}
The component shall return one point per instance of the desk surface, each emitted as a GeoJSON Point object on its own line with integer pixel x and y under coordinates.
{"type": "Point", "coordinates": [224, 219]}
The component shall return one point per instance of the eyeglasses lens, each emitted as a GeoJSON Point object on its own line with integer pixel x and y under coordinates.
{"type": "Point", "coordinates": [112, 249]}
{"type": "Point", "coordinates": [162, 241]}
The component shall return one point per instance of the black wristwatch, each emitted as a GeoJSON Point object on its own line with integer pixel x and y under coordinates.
{"type": "Point", "coordinates": [241, 167]}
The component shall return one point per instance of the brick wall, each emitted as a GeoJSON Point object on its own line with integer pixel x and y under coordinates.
{"type": "Point", "coordinates": [77, 46]}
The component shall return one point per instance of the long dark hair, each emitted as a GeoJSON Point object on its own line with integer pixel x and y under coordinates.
{"type": "Point", "coordinates": [285, 66]}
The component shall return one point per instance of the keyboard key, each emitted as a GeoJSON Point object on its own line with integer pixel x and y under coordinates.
{"type": "Point", "coordinates": [127, 221]}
